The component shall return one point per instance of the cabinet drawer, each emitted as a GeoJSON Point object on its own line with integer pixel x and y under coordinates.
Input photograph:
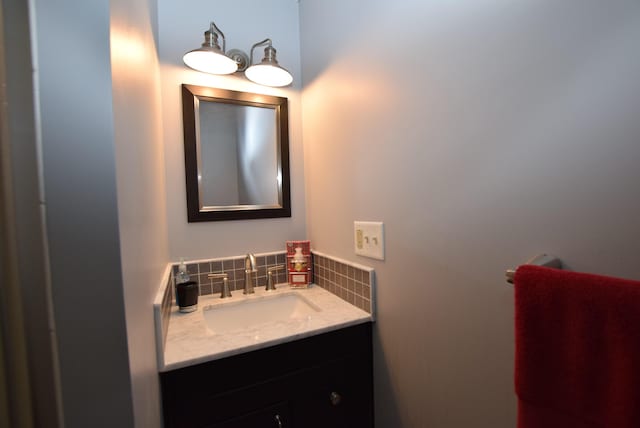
{"type": "Point", "coordinates": [276, 416]}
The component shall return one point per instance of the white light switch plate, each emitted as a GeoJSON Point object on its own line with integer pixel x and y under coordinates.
{"type": "Point", "coordinates": [368, 238]}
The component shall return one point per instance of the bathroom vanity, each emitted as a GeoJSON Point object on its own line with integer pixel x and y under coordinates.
{"type": "Point", "coordinates": [319, 381]}
{"type": "Point", "coordinates": [313, 369]}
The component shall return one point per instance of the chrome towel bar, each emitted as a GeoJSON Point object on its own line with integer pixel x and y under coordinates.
{"type": "Point", "coordinates": [546, 260]}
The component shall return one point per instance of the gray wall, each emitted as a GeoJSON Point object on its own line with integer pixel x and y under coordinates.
{"type": "Point", "coordinates": [481, 133]}
{"type": "Point", "coordinates": [77, 135]}
{"type": "Point", "coordinates": [26, 268]}
{"type": "Point", "coordinates": [142, 217]}
{"type": "Point", "coordinates": [27, 359]}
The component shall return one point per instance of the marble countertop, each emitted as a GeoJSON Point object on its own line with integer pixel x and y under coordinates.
{"type": "Point", "coordinates": [189, 340]}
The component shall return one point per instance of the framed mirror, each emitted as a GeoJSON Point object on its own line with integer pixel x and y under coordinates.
{"type": "Point", "coordinates": [236, 150]}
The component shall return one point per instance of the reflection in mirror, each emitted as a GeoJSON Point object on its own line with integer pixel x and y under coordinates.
{"type": "Point", "coordinates": [236, 154]}
{"type": "Point", "coordinates": [237, 141]}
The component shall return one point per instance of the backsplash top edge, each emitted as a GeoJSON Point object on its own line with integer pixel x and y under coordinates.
{"type": "Point", "coordinates": [343, 261]}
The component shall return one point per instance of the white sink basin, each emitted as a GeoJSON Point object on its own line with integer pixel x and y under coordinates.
{"type": "Point", "coordinates": [251, 312]}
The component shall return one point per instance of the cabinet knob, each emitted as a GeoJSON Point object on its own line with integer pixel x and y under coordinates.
{"type": "Point", "coordinates": [335, 398]}
{"type": "Point", "coordinates": [278, 421]}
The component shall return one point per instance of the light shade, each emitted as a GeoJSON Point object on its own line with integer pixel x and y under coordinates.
{"type": "Point", "coordinates": [268, 72]}
{"type": "Point", "coordinates": [210, 62]}
{"type": "Point", "coordinates": [269, 75]}
{"type": "Point", "coordinates": [210, 58]}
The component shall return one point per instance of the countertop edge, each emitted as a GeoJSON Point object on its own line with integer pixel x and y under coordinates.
{"type": "Point", "coordinates": [157, 315]}
{"type": "Point", "coordinates": [262, 345]}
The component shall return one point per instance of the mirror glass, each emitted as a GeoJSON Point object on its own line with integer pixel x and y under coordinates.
{"type": "Point", "coordinates": [236, 154]}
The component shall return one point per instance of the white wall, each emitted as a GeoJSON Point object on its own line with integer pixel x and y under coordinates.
{"type": "Point", "coordinates": [140, 177]}
{"type": "Point", "coordinates": [481, 133]}
{"type": "Point", "coordinates": [75, 105]}
{"type": "Point", "coordinates": [245, 22]}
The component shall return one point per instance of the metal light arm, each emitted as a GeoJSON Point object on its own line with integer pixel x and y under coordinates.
{"type": "Point", "coordinates": [213, 29]}
{"type": "Point", "coordinates": [265, 42]}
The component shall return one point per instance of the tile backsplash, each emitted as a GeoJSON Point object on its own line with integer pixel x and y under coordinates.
{"type": "Point", "coordinates": [349, 281]}
{"type": "Point", "coordinates": [234, 268]}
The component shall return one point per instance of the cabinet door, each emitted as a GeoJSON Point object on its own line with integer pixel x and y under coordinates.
{"type": "Point", "coordinates": [337, 395]}
{"type": "Point", "coordinates": [263, 405]}
{"type": "Point", "coordinates": [276, 416]}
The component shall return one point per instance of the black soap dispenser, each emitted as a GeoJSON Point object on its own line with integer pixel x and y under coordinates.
{"type": "Point", "coordinates": [186, 290]}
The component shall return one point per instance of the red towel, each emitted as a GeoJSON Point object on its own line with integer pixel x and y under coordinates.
{"type": "Point", "coordinates": [577, 350]}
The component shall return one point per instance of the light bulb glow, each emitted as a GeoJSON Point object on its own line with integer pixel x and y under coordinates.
{"type": "Point", "coordinates": [209, 61]}
{"type": "Point", "coordinates": [268, 75]}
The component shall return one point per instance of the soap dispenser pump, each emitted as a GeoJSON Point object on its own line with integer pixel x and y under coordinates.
{"type": "Point", "coordinates": [299, 261]}
{"type": "Point", "coordinates": [186, 290]}
{"type": "Point", "coordinates": [182, 276]}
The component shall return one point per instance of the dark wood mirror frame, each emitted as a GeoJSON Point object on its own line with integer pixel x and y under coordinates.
{"type": "Point", "coordinates": [196, 212]}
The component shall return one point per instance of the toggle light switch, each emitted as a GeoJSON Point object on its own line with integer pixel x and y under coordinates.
{"type": "Point", "coordinates": [359, 239]}
{"type": "Point", "coordinates": [369, 239]}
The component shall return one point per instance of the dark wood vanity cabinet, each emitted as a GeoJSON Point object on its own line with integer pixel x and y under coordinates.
{"type": "Point", "coordinates": [319, 381]}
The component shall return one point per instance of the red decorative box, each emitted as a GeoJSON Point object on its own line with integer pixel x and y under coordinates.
{"type": "Point", "coordinates": [299, 263]}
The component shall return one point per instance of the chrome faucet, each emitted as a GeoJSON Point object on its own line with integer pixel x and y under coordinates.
{"type": "Point", "coordinates": [249, 270]}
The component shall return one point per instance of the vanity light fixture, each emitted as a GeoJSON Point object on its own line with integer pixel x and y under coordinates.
{"type": "Point", "coordinates": [268, 72]}
{"type": "Point", "coordinates": [210, 58]}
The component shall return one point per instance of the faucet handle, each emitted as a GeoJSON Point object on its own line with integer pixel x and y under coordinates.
{"type": "Point", "coordinates": [224, 293]}
{"type": "Point", "coordinates": [270, 285]}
